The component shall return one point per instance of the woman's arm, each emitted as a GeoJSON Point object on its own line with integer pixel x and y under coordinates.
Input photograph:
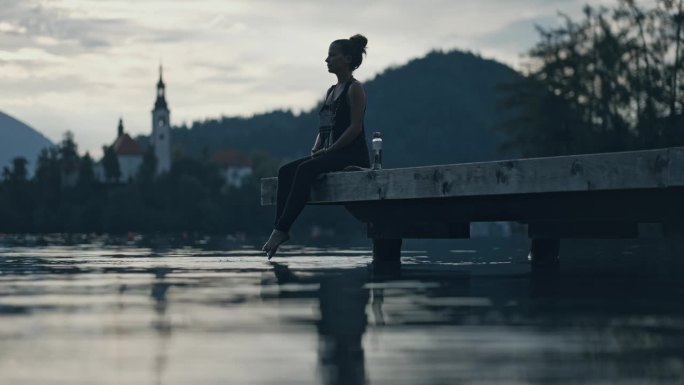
{"type": "Point", "coordinates": [357, 105]}
{"type": "Point", "coordinates": [317, 145]}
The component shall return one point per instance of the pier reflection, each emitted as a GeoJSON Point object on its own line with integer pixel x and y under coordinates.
{"type": "Point", "coordinates": [346, 298]}
{"type": "Point", "coordinates": [458, 323]}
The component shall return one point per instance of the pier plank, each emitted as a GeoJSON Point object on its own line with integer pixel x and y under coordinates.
{"type": "Point", "coordinates": [676, 166]}
{"type": "Point", "coordinates": [646, 169]}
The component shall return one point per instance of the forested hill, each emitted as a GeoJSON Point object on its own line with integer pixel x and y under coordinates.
{"type": "Point", "coordinates": [441, 108]}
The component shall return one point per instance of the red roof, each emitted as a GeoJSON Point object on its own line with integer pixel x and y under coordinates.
{"type": "Point", "coordinates": [230, 158]}
{"type": "Point", "coordinates": [125, 145]}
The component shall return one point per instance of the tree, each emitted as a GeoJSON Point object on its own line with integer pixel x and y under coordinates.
{"type": "Point", "coordinates": [110, 163]}
{"type": "Point", "coordinates": [19, 195]}
{"type": "Point", "coordinates": [608, 82]}
{"type": "Point", "coordinates": [86, 175]}
{"type": "Point", "coordinates": [68, 159]}
{"type": "Point", "coordinates": [148, 168]}
{"type": "Point", "coordinates": [19, 172]}
{"type": "Point", "coordinates": [48, 178]}
{"type": "Point", "coordinates": [68, 151]}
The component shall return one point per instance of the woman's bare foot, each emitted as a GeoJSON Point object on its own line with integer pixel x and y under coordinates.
{"type": "Point", "coordinates": [276, 239]}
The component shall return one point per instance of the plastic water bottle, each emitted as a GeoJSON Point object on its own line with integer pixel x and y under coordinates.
{"type": "Point", "coordinates": [377, 151]}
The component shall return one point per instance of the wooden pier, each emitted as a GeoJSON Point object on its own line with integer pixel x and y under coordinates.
{"type": "Point", "coordinates": [580, 196]}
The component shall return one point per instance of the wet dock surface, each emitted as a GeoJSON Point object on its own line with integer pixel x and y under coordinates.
{"type": "Point", "coordinates": [467, 313]}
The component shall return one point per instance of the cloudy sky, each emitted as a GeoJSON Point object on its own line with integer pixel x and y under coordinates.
{"type": "Point", "coordinates": [79, 65]}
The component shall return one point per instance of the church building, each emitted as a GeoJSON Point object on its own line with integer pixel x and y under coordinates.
{"type": "Point", "coordinates": [161, 128]}
{"type": "Point", "coordinates": [129, 153]}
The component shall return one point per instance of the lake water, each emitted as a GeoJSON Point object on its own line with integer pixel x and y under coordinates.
{"type": "Point", "coordinates": [458, 312]}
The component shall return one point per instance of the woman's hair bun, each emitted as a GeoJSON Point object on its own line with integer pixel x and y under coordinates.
{"type": "Point", "coordinates": [360, 42]}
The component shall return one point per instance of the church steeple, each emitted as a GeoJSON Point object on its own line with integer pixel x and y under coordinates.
{"type": "Point", "coordinates": [161, 128]}
{"type": "Point", "coordinates": [160, 103]}
{"type": "Point", "coordinates": [120, 129]}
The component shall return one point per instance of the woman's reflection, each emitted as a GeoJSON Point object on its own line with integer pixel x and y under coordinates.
{"type": "Point", "coordinates": [342, 302]}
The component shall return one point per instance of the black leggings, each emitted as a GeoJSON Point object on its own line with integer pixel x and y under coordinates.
{"type": "Point", "coordinates": [295, 180]}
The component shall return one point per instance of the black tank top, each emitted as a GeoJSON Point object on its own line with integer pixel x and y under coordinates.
{"type": "Point", "coordinates": [335, 119]}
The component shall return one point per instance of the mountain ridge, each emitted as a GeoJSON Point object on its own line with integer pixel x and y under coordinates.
{"type": "Point", "coordinates": [18, 139]}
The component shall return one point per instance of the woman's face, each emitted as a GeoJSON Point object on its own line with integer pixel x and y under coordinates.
{"type": "Point", "coordinates": [337, 62]}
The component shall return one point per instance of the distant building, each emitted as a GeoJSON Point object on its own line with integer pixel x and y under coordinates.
{"type": "Point", "coordinates": [234, 166]}
{"type": "Point", "coordinates": [128, 153]}
{"type": "Point", "coordinates": [161, 128]}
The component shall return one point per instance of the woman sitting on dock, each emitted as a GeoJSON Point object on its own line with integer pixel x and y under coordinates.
{"type": "Point", "coordinates": [341, 140]}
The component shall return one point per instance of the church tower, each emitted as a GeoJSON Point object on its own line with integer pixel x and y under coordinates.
{"type": "Point", "coordinates": [161, 128]}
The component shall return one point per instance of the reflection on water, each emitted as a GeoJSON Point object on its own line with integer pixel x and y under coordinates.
{"type": "Point", "coordinates": [465, 312]}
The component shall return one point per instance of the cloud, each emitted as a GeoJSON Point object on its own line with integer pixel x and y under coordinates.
{"type": "Point", "coordinates": [518, 33]}
{"type": "Point", "coordinates": [32, 23]}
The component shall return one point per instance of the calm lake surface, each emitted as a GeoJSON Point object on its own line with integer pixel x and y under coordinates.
{"type": "Point", "coordinates": [458, 312]}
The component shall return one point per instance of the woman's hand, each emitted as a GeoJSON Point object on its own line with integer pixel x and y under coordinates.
{"type": "Point", "coordinates": [318, 152]}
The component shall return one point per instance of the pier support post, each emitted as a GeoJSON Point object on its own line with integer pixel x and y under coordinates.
{"type": "Point", "coordinates": [544, 254]}
{"type": "Point", "coordinates": [387, 251]}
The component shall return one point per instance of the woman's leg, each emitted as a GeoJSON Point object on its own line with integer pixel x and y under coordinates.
{"type": "Point", "coordinates": [304, 177]}
{"type": "Point", "coordinates": [285, 180]}
{"type": "Point", "coordinates": [286, 175]}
